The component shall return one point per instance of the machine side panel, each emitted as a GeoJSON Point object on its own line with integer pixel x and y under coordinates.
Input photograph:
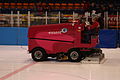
{"type": "Point", "coordinates": [51, 47]}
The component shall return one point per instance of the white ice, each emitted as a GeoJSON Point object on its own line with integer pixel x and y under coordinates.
{"type": "Point", "coordinates": [13, 58]}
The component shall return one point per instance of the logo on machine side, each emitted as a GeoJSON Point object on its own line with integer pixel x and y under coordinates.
{"type": "Point", "coordinates": [63, 30]}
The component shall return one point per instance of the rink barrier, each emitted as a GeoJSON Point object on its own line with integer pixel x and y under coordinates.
{"type": "Point", "coordinates": [13, 36]}
{"type": "Point", "coordinates": [108, 38]}
{"type": "Point", "coordinates": [119, 38]}
{"type": "Point", "coordinates": [18, 36]}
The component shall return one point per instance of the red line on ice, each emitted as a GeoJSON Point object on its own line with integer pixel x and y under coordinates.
{"type": "Point", "coordinates": [17, 71]}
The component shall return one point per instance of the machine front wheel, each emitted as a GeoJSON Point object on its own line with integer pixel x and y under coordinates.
{"type": "Point", "coordinates": [74, 55]}
{"type": "Point", "coordinates": [38, 54]}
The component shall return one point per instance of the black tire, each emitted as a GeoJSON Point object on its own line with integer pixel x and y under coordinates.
{"type": "Point", "coordinates": [74, 55]}
{"type": "Point", "coordinates": [39, 54]}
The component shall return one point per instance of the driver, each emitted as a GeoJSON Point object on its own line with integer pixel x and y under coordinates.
{"type": "Point", "coordinates": [91, 29]}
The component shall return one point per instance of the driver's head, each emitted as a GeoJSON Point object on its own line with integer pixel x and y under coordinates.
{"type": "Point", "coordinates": [95, 18]}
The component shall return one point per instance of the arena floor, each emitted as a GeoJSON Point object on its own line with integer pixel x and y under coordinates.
{"type": "Point", "coordinates": [16, 64]}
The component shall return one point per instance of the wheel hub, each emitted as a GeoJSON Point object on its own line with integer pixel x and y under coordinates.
{"type": "Point", "coordinates": [74, 55]}
{"type": "Point", "coordinates": [38, 55]}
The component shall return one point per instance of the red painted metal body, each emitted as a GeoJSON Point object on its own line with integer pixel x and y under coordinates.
{"type": "Point", "coordinates": [55, 38]}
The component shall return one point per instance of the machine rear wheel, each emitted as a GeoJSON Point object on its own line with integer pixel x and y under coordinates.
{"type": "Point", "coordinates": [74, 55]}
{"type": "Point", "coordinates": [39, 54]}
